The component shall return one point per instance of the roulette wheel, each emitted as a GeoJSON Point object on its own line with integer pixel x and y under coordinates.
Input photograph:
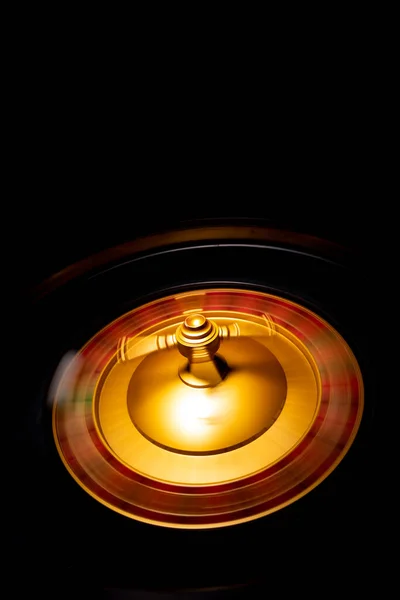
{"type": "Point", "coordinates": [196, 411]}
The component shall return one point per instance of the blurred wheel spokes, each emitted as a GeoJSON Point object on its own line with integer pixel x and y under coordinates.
{"type": "Point", "coordinates": [145, 479]}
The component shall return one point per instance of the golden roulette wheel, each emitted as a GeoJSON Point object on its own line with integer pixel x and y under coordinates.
{"type": "Point", "coordinates": [197, 406]}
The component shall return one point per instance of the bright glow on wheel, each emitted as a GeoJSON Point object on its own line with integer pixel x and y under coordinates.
{"type": "Point", "coordinates": [137, 437]}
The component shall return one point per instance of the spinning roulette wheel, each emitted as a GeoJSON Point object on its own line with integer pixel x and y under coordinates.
{"type": "Point", "coordinates": [198, 404]}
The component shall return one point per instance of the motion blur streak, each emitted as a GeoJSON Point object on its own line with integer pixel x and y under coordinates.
{"type": "Point", "coordinates": [64, 377]}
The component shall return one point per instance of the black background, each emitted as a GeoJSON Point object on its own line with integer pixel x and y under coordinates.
{"type": "Point", "coordinates": [95, 163]}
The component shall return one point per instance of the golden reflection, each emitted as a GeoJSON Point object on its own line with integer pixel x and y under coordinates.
{"type": "Point", "coordinates": [147, 433]}
{"type": "Point", "coordinates": [144, 402]}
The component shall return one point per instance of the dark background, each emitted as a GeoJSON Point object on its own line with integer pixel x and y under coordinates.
{"type": "Point", "coordinates": [95, 163]}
